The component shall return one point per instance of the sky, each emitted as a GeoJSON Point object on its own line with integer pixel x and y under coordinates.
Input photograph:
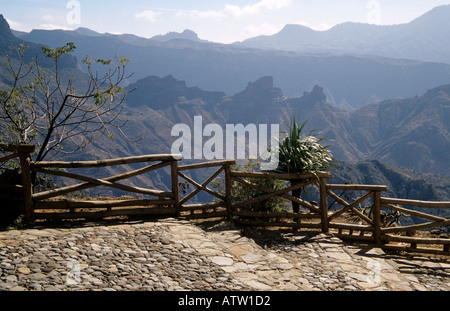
{"type": "Point", "coordinates": [223, 21]}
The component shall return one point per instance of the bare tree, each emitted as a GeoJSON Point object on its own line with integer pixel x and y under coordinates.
{"type": "Point", "coordinates": [60, 110]}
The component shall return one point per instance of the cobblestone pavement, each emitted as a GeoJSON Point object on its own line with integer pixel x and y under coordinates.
{"type": "Point", "coordinates": [170, 255]}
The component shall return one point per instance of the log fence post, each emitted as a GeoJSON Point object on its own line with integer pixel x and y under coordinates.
{"type": "Point", "coordinates": [228, 191]}
{"type": "Point", "coordinates": [377, 217]}
{"type": "Point", "coordinates": [175, 187]}
{"type": "Point", "coordinates": [324, 204]}
{"type": "Point", "coordinates": [25, 164]}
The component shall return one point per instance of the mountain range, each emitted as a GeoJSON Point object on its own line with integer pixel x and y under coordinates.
{"type": "Point", "coordinates": [350, 80]}
{"type": "Point", "coordinates": [424, 38]}
{"type": "Point", "coordinates": [411, 132]}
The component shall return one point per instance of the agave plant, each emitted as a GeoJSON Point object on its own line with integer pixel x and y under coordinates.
{"type": "Point", "coordinates": [298, 153]}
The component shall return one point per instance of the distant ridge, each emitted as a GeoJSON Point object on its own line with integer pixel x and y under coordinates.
{"type": "Point", "coordinates": [9, 44]}
{"type": "Point", "coordinates": [86, 32]}
{"type": "Point", "coordinates": [425, 38]}
{"type": "Point", "coordinates": [185, 35]}
{"type": "Point", "coordinates": [350, 81]}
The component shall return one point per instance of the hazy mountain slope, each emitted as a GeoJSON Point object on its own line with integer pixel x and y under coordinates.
{"type": "Point", "coordinates": [401, 182]}
{"type": "Point", "coordinates": [425, 38]}
{"type": "Point", "coordinates": [413, 132]}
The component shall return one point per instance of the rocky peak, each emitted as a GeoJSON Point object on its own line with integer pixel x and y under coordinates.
{"type": "Point", "coordinates": [4, 26]}
{"type": "Point", "coordinates": [5, 31]}
{"type": "Point", "coordinates": [160, 93]}
{"type": "Point", "coordinates": [261, 90]}
{"type": "Point", "coordinates": [315, 96]}
{"type": "Point", "coordinates": [186, 35]}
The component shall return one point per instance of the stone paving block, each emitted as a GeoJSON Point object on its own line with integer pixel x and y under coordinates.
{"type": "Point", "coordinates": [222, 261]}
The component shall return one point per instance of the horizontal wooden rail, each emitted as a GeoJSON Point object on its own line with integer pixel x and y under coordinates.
{"type": "Point", "coordinates": [205, 165]}
{"type": "Point", "coordinates": [414, 242]}
{"type": "Point", "coordinates": [417, 227]}
{"type": "Point", "coordinates": [85, 204]}
{"type": "Point", "coordinates": [428, 251]}
{"type": "Point", "coordinates": [417, 203]}
{"type": "Point", "coordinates": [196, 207]}
{"type": "Point", "coordinates": [282, 176]}
{"type": "Point", "coordinates": [412, 212]}
{"type": "Point", "coordinates": [351, 227]}
{"type": "Point", "coordinates": [278, 224]}
{"type": "Point", "coordinates": [104, 163]}
{"type": "Point", "coordinates": [396, 238]}
{"type": "Point", "coordinates": [357, 187]}
{"type": "Point", "coordinates": [165, 211]}
{"type": "Point", "coordinates": [209, 215]}
{"type": "Point", "coordinates": [286, 215]}
{"type": "Point", "coordinates": [9, 157]}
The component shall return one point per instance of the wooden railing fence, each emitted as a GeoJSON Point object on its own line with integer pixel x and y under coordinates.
{"type": "Point", "coordinates": [321, 215]}
{"type": "Point", "coordinates": [402, 231]}
{"type": "Point", "coordinates": [50, 201]}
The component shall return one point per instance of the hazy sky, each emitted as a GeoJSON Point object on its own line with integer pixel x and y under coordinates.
{"type": "Point", "coordinates": [223, 21]}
